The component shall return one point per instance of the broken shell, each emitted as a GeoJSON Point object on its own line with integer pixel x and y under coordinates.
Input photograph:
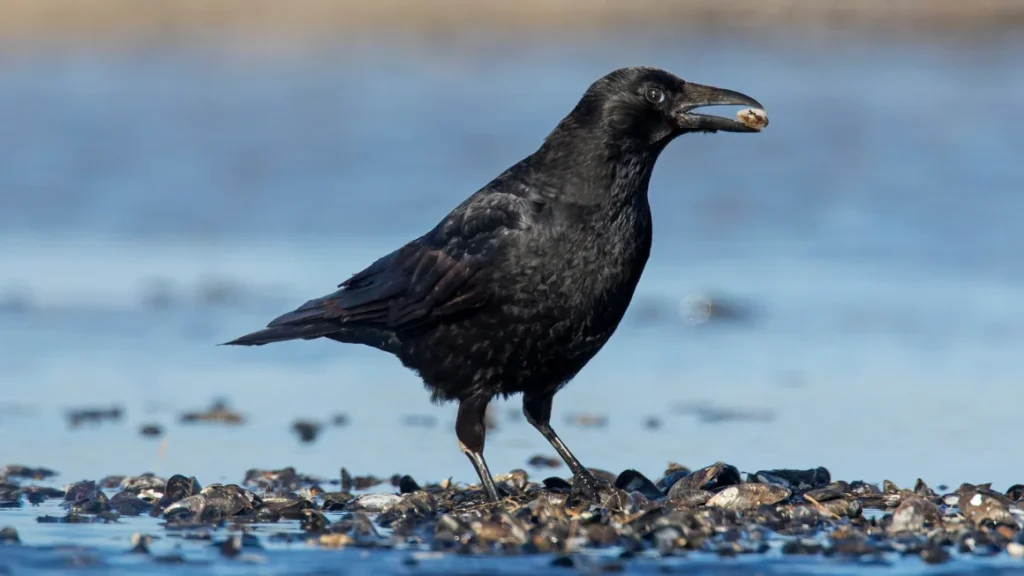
{"type": "Point", "coordinates": [711, 477]}
{"type": "Point", "coordinates": [915, 514]}
{"type": "Point", "coordinates": [128, 504]}
{"type": "Point", "coordinates": [799, 480]}
{"type": "Point", "coordinates": [747, 496]}
{"type": "Point", "coordinates": [375, 502]}
{"type": "Point", "coordinates": [978, 507]}
{"type": "Point", "coordinates": [753, 117]}
{"type": "Point", "coordinates": [633, 481]}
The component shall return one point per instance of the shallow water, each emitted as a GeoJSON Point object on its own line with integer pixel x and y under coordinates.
{"type": "Point", "coordinates": [873, 229]}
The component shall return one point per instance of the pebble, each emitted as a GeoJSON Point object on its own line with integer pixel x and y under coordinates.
{"type": "Point", "coordinates": [8, 535]}
{"type": "Point", "coordinates": [540, 461]}
{"type": "Point", "coordinates": [218, 413]}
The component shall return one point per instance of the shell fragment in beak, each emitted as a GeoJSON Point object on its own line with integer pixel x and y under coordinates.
{"type": "Point", "coordinates": [753, 117]}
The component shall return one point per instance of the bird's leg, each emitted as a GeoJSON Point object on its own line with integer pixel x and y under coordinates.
{"type": "Point", "coordinates": [469, 428]}
{"type": "Point", "coordinates": [537, 410]}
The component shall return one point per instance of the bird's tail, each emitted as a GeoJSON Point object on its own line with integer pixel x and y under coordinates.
{"type": "Point", "coordinates": [283, 333]}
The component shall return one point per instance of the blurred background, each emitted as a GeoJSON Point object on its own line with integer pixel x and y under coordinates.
{"type": "Point", "coordinates": [844, 290]}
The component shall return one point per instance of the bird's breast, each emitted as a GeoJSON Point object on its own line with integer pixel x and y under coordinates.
{"type": "Point", "coordinates": [579, 277]}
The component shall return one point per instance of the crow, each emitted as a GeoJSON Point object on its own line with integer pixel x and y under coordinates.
{"type": "Point", "coordinates": [519, 286]}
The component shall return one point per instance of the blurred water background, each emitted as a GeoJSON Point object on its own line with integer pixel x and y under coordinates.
{"type": "Point", "coordinates": [165, 190]}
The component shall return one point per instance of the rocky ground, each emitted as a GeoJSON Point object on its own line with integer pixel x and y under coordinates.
{"type": "Point", "coordinates": [716, 509]}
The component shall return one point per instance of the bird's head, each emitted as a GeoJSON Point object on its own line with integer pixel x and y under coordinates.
{"type": "Point", "coordinates": [649, 106]}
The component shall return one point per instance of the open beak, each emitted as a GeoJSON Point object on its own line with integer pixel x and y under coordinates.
{"type": "Point", "coordinates": [698, 96]}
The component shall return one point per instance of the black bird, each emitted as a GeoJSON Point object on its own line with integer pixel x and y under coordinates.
{"type": "Point", "coordinates": [519, 286]}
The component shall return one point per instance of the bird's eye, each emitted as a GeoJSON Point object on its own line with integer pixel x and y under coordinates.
{"type": "Point", "coordinates": [655, 96]}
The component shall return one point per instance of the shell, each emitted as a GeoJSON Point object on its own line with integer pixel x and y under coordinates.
{"type": "Point", "coordinates": [753, 118]}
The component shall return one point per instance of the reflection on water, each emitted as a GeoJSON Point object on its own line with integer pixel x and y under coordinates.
{"type": "Point", "coordinates": [156, 204]}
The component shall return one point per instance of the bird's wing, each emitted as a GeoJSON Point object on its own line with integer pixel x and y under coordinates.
{"type": "Point", "coordinates": [430, 278]}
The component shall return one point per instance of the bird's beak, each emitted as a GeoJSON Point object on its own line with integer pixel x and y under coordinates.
{"type": "Point", "coordinates": [697, 96]}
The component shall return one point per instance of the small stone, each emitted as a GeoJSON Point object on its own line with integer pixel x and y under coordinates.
{"type": "Point", "coordinates": [407, 485]}
{"type": "Point", "coordinates": [151, 431]}
{"type": "Point", "coordinates": [218, 413]}
{"type": "Point", "coordinates": [539, 461]}
{"type": "Point", "coordinates": [712, 477]}
{"type": "Point", "coordinates": [8, 535]}
{"type": "Point", "coordinates": [140, 543]}
{"type": "Point", "coordinates": [27, 472]}
{"type": "Point", "coordinates": [633, 481]}
{"type": "Point", "coordinates": [652, 423]}
{"type": "Point", "coordinates": [306, 429]}
{"type": "Point", "coordinates": [562, 562]}
{"type": "Point", "coordinates": [80, 416]}
{"type": "Point", "coordinates": [935, 555]}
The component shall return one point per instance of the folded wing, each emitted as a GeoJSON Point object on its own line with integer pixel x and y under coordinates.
{"type": "Point", "coordinates": [426, 281]}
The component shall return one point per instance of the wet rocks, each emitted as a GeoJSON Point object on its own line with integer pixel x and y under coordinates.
{"type": "Point", "coordinates": [10, 495]}
{"type": "Point", "coordinates": [748, 496]}
{"type": "Point", "coordinates": [633, 481]}
{"type": "Point", "coordinates": [177, 488]}
{"type": "Point", "coordinates": [307, 430]}
{"type": "Point", "coordinates": [539, 461]}
{"type": "Point", "coordinates": [128, 504]}
{"type": "Point", "coordinates": [717, 475]}
{"type": "Point", "coordinates": [914, 515]}
{"type": "Point", "coordinates": [140, 543]}
{"type": "Point", "coordinates": [984, 506]}
{"type": "Point", "coordinates": [25, 472]}
{"type": "Point", "coordinates": [276, 480]}
{"type": "Point", "coordinates": [336, 501]}
{"type": "Point", "coordinates": [716, 509]}
{"type": "Point", "coordinates": [796, 480]}
{"type": "Point", "coordinates": [374, 502]}
{"type": "Point", "coordinates": [9, 536]}
{"type": "Point", "coordinates": [79, 416]}
{"type": "Point", "coordinates": [217, 413]}
{"type": "Point", "coordinates": [349, 482]}
{"type": "Point", "coordinates": [407, 484]}
{"type": "Point", "coordinates": [146, 485]}
{"type": "Point", "coordinates": [86, 498]}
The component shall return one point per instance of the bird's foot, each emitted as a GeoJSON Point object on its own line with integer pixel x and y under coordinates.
{"type": "Point", "coordinates": [587, 488]}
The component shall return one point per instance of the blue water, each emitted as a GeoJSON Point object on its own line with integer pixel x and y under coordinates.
{"type": "Point", "coordinates": [873, 230]}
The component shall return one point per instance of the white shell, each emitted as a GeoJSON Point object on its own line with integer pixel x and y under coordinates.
{"type": "Point", "coordinates": [753, 117]}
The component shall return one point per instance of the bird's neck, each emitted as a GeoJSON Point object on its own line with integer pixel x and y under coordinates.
{"type": "Point", "coordinates": [593, 170]}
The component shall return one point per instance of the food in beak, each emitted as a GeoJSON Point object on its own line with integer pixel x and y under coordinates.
{"type": "Point", "coordinates": [753, 118]}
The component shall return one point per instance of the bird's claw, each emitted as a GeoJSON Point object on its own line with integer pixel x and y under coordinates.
{"type": "Point", "coordinates": [588, 488]}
